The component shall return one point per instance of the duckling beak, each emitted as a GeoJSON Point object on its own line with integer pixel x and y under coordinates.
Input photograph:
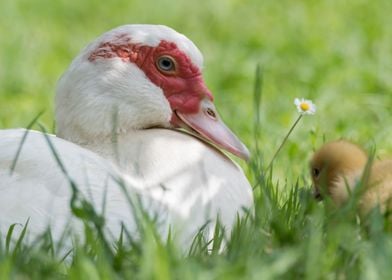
{"type": "Point", "coordinates": [317, 195]}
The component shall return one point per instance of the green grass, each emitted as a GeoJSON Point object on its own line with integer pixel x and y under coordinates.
{"type": "Point", "coordinates": [337, 53]}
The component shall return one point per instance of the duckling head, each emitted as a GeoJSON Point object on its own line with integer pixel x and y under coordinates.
{"type": "Point", "coordinates": [335, 168]}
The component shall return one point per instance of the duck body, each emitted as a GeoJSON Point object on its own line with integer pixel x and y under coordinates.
{"type": "Point", "coordinates": [182, 190]}
{"type": "Point", "coordinates": [38, 190]}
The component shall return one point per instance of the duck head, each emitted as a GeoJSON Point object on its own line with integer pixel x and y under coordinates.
{"type": "Point", "coordinates": [139, 77]}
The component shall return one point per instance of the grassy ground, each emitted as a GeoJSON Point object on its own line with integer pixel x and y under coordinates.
{"type": "Point", "coordinates": [337, 53]}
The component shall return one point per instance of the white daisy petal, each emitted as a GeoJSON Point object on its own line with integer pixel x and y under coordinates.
{"type": "Point", "coordinates": [305, 106]}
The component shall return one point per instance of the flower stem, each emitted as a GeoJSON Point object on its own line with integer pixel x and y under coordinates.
{"type": "Point", "coordinates": [284, 141]}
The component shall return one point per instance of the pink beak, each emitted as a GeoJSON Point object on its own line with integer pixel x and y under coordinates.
{"type": "Point", "coordinates": [207, 123]}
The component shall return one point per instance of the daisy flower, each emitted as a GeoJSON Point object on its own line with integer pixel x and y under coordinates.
{"type": "Point", "coordinates": [305, 107]}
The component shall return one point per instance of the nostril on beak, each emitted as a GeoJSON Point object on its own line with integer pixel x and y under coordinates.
{"type": "Point", "coordinates": [210, 112]}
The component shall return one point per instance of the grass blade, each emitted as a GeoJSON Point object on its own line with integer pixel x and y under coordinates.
{"type": "Point", "coordinates": [29, 126]}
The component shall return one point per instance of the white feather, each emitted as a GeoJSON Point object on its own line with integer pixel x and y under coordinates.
{"type": "Point", "coordinates": [176, 175]}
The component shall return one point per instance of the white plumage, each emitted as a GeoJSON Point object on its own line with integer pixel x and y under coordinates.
{"type": "Point", "coordinates": [121, 117]}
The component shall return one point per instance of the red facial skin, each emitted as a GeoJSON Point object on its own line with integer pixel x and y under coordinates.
{"type": "Point", "coordinates": [184, 87]}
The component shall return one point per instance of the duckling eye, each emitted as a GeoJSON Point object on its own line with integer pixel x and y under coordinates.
{"type": "Point", "coordinates": [315, 172]}
{"type": "Point", "coordinates": [165, 64]}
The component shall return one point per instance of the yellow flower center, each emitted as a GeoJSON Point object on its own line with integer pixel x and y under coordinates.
{"type": "Point", "coordinates": [304, 106]}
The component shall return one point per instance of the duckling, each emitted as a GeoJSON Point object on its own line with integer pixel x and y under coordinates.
{"type": "Point", "coordinates": [338, 167]}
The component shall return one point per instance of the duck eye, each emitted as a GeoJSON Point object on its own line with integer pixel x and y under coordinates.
{"type": "Point", "coordinates": [315, 172]}
{"type": "Point", "coordinates": [166, 64]}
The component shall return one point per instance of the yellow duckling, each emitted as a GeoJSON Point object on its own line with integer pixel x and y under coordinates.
{"type": "Point", "coordinates": [338, 166]}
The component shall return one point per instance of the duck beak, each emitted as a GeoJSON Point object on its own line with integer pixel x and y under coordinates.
{"type": "Point", "coordinates": [208, 125]}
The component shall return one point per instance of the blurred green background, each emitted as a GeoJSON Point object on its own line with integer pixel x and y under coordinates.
{"type": "Point", "coordinates": [337, 53]}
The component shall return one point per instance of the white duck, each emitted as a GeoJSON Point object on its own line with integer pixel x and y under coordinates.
{"type": "Point", "coordinates": [123, 98]}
